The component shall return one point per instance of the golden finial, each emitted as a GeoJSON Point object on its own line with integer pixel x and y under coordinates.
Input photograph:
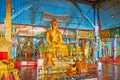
{"type": "Point", "coordinates": [54, 20]}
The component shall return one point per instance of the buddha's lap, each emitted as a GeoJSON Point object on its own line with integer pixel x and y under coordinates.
{"type": "Point", "coordinates": [59, 46]}
{"type": "Point", "coordinates": [59, 51]}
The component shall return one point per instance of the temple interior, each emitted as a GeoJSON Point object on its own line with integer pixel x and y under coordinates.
{"type": "Point", "coordinates": [59, 40]}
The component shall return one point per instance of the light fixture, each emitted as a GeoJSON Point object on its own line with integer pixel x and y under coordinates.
{"type": "Point", "coordinates": [113, 16]}
{"type": "Point", "coordinates": [12, 10]}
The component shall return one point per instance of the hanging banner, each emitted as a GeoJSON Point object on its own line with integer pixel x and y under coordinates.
{"type": "Point", "coordinates": [48, 17]}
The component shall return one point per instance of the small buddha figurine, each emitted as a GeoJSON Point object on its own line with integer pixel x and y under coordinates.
{"type": "Point", "coordinates": [54, 36]}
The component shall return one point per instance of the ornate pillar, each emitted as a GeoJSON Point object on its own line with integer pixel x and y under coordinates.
{"type": "Point", "coordinates": [96, 32]}
{"type": "Point", "coordinates": [115, 48]}
{"type": "Point", "coordinates": [8, 20]}
{"type": "Point", "coordinates": [8, 27]}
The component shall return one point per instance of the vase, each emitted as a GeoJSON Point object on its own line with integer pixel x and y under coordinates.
{"type": "Point", "coordinates": [49, 61]}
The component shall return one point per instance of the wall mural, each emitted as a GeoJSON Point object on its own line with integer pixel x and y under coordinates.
{"type": "Point", "coordinates": [84, 34]}
{"type": "Point", "coordinates": [114, 32]}
{"type": "Point", "coordinates": [39, 31]}
{"type": "Point", "coordinates": [24, 30]}
{"type": "Point", "coordinates": [110, 33]}
{"type": "Point", "coordinates": [69, 34]}
{"type": "Point", "coordinates": [91, 34]}
{"type": "Point", "coordinates": [104, 34]}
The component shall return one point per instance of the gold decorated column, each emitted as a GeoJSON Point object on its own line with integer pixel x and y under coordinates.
{"type": "Point", "coordinates": [8, 20]}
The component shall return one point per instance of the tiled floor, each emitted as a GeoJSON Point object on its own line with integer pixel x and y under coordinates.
{"type": "Point", "coordinates": [107, 72]}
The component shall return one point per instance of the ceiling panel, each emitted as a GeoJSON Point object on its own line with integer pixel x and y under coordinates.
{"type": "Point", "coordinates": [30, 12]}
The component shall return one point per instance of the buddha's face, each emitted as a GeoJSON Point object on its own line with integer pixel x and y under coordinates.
{"type": "Point", "coordinates": [55, 25]}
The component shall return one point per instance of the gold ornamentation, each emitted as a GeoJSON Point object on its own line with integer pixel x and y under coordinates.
{"type": "Point", "coordinates": [54, 38]}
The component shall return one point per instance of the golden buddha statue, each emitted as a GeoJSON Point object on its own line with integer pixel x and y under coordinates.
{"type": "Point", "coordinates": [6, 61]}
{"type": "Point", "coordinates": [54, 36]}
{"type": "Point", "coordinates": [54, 40]}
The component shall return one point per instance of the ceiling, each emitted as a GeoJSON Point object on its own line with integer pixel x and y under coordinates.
{"type": "Point", "coordinates": [80, 13]}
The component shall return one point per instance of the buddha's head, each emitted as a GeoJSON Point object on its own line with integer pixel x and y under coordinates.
{"type": "Point", "coordinates": [54, 24]}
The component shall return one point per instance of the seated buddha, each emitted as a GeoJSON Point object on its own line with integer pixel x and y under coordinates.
{"type": "Point", "coordinates": [54, 40]}
{"type": "Point", "coordinates": [54, 36]}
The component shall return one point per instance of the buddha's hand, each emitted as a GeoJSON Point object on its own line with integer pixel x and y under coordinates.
{"type": "Point", "coordinates": [49, 43]}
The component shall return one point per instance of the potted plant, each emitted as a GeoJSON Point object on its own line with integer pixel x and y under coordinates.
{"type": "Point", "coordinates": [46, 48]}
{"type": "Point", "coordinates": [41, 49]}
{"type": "Point", "coordinates": [48, 56]}
{"type": "Point", "coordinates": [71, 50]}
